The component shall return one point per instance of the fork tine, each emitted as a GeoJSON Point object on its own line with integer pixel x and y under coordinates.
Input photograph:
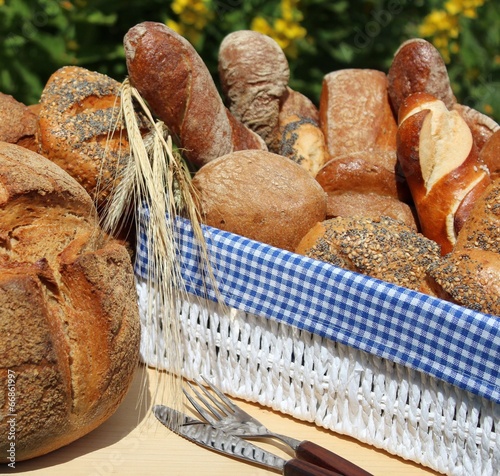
{"type": "Point", "coordinates": [232, 406]}
{"type": "Point", "coordinates": [199, 408]}
{"type": "Point", "coordinates": [220, 405]}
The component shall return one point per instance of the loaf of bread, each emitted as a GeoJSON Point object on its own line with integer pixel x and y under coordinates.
{"type": "Point", "coordinates": [355, 113]}
{"type": "Point", "coordinates": [382, 248]}
{"type": "Point", "coordinates": [18, 123]}
{"type": "Point", "coordinates": [418, 66]}
{"type": "Point", "coordinates": [368, 171]}
{"type": "Point", "coordinates": [370, 205]}
{"type": "Point", "coordinates": [68, 308]}
{"type": "Point", "coordinates": [170, 75]}
{"type": "Point", "coordinates": [441, 164]}
{"type": "Point", "coordinates": [80, 129]}
{"type": "Point", "coordinates": [300, 136]}
{"type": "Point", "coordinates": [470, 274]}
{"type": "Point", "coordinates": [254, 75]}
{"type": "Point", "coordinates": [260, 195]}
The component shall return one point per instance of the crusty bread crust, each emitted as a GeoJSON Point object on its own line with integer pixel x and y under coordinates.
{"type": "Point", "coordinates": [80, 130]}
{"type": "Point", "coordinates": [68, 306]}
{"type": "Point", "coordinates": [355, 113]}
{"type": "Point", "coordinates": [382, 248]}
{"type": "Point", "coordinates": [259, 195]}
{"type": "Point", "coordinates": [170, 75]}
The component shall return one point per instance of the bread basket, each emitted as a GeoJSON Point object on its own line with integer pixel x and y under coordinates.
{"type": "Point", "coordinates": [393, 368]}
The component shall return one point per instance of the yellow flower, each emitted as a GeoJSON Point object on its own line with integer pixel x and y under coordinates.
{"type": "Point", "coordinates": [261, 25]}
{"type": "Point", "coordinates": [193, 16]}
{"type": "Point", "coordinates": [174, 25]}
{"type": "Point", "coordinates": [285, 30]}
{"type": "Point", "coordinates": [439, 21]}
{"type": "Point", "coordinates": [488, 109]}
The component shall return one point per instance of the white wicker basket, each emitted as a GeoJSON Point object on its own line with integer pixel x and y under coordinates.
{"type": "Point", "coordinates": [396, 407]}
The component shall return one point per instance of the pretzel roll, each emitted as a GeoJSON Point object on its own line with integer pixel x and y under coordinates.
{"type": "Point", "coordinates": [170, 75]}
{"type": "Point", "coordinates": [442, 167]}
{"type": "Point", "coordinates": [469, 275]}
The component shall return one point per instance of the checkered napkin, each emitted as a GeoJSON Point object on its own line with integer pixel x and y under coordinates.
{"type": "Point", "coordinates": [451, 343]}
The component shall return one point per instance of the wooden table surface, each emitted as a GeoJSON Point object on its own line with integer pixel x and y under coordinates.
{"type": "Point", "coordinates": [132, 442]}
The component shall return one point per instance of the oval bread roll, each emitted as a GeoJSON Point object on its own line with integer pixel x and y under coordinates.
{"type": "Point", "coordinates": [382, 248]}
{"type": "Point", "coordinates": [260, 195]}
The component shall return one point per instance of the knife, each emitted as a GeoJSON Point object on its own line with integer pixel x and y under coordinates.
{"type": "Point", "coordinates": [205, 435]}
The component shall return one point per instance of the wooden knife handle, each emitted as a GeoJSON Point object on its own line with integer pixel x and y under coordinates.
{"type": "Point", "coordinates": [319, 456]}
{"type": "Point", "coordinates": [297, 467]}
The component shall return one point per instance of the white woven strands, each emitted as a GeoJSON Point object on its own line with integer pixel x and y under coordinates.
{"type": "Point", "coordinates": [387, 405]}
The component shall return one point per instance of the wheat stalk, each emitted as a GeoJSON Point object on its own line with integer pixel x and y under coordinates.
{"type": "Point", "coordinates": [157, 178]}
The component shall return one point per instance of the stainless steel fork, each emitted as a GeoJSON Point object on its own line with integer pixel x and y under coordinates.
{"type": "Point", "coordinates": [218, 410]}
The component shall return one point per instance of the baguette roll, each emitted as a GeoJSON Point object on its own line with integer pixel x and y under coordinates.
{"type": "Point", "coordinates": [170, 75]}
{"type": "Point", "coordinates": [418, 66]}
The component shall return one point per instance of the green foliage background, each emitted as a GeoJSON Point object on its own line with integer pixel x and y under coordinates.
{"type": "Point", "coordinates": [38, 37]}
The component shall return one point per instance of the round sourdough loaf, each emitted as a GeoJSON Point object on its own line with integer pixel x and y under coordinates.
{"type": "Point", "coordinates": [260, 195]}
{"type": "Point", "coordinates": [69, 325]}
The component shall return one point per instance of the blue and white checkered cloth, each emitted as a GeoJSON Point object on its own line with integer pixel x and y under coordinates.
{"type": "Point", "coordinates": [446, 341]}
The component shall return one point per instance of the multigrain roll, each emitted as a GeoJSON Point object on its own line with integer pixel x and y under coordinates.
{"type": "Point", "coordinates": [370, 205]}
{"type": "Point", "coordinates": [79, 128]}
{"type": "Point", "coordinates": [259, 195]}
{"type": "Point", "coordinates": [382, 248]}
{"type": "Point", "coordinates": [470, 274]}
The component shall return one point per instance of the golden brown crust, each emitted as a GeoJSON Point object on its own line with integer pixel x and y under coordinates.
{"type": "Point", "coordinates": [355, 114]}
{"type": "Point", "coordinates": [381, 248]}
{"type": "Point", "coordinates": [440, 161]}
{"type": "Point", "coordinates": [303, 141]}
{"type": "Point", "coordinates": [294, 103]}
{"type": "Point", "coordinates": [259, 195]}
{"type": "Point", "coordinates": [300, 137]}
{"type": "Point", "coordinates": [254, 74]}
{"type": "Point", "coordinates": [68, 302]}
{"type": "Point", "coordinates": [170, 75]}
{"type": "Point", "coordinates": [18, 123]}
{"type": "Point", "coordinates": [80, 130]}
{"type": "Point", "coordinates": [370, 205]}
{"type": "Point", "coordinates": [418, 66]}
{"type": "Point", "coordinates": [469, 275]}
{"type": "Point", "coordinates": [375, 171]}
